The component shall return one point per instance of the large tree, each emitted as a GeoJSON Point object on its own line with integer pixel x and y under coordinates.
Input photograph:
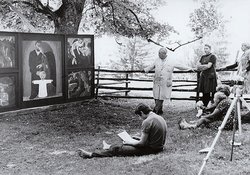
{"type": "Point", "coordinates": [207, 22]}
{"type": "Point", "coordinates": [116, 17]}
{"type": "Point", "coordinates": [122, 17]}
{"type": "Point", "coordinates": [133, 54]}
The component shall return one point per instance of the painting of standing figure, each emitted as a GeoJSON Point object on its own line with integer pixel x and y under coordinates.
{"type": "Point", "coordinates": [7, 52]}
{"type": "Point", "coordinates": [79, 53]}
{"type": "Point", "coordinates": [42, 69]}
{"type": "Point", "coordinates": [79, 84]}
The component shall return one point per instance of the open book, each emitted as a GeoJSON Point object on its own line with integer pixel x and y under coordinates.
{"type": "Point", "coordinates": [125, 136]}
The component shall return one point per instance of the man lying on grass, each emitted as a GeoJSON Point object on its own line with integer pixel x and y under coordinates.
{"type": "Point", "coordinates": [151, 141]}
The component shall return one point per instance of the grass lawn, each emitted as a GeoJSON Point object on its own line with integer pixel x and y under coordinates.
{"type": "Point", "coordinates": [44, 141]}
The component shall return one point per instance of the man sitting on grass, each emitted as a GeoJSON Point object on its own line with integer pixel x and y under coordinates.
{"type": "Point", "coordinates": [152, 140]}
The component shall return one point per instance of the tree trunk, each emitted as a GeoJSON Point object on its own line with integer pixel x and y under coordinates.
{"type": "Point", "coordinates": [69, 16]}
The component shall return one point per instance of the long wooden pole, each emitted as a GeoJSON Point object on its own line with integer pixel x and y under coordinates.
{"type": "Point", "coordinates": [97, 82]}
{"type": "Point", "coordinates": [218, 134]}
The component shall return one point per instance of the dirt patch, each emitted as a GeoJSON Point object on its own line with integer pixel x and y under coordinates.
{"type": "Point", "coordinates": [44, 141]}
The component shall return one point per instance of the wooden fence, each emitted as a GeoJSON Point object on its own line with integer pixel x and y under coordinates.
{"type": "Point", "coordinates": [106, 82]}
{"type": "Point", "coordinates": [106, 79]}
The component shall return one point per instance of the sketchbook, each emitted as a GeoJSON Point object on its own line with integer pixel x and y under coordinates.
{"type": "Point", "coordinates": [125, 136]}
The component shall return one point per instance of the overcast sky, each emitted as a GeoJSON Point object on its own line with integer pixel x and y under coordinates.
{"type": "Point", "coordinates": [176, 13]}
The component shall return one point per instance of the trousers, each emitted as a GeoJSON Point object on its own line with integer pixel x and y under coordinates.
{"type": "Point", "coordinates": [158, 106]}
{"type": "Point", "coordinates": [125, 150]}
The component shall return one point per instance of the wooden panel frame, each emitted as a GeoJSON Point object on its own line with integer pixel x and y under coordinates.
{"type": "Point", "coordinates": [80, 64]}
{"type": "Point", "coordinates": [52, 49]}
{"type": "Point", "coordinates": [18, 47]}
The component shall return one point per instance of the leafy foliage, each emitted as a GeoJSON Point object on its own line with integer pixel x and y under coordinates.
{"type": "Point", "coordinates": [133, 54]}
{"type": "Point", "coordinates": [126, 18]}
{"type": "Point", "coordinates": [208, 23]}
{"type": "Point", "coordinates": [123, 17]}
{"type": "Point", "coordinates": [206, 18]}
{"type": "Point", "coordinates": [219, 49]}
{"type": "Point", "coordinates": [9, 18]}
{"type": "Point", "coordinates": [13, 18]}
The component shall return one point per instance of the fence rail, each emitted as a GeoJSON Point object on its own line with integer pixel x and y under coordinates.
{"type": "Point", "coordinates": [106, 79]}
{"type": "Point", "coordinates": [106, 82]}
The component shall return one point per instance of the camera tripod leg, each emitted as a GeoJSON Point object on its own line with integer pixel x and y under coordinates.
{"type": "Point", "coordinates": [239, 116]}
{"type": "Point", "coordinates": [218, 134]}
{"type": "Point", "coordinates": [236, 114]}
{"type": "Point", "coordinates": [245, 103]}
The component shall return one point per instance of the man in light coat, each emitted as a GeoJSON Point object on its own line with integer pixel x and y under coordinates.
{"type": "Point", "coordinates": [162, 87]}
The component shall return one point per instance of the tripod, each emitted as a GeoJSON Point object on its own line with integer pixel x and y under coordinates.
{"type": "Point", "coordinates": [235, 104]}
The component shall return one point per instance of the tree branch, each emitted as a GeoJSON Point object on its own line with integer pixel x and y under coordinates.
{"type": "Point", "coordinates": [23, 18]}
{"type": "Point", "coordinates": [98, 3]}
{"type": "Point", "coordinates": [25, 2]}
{"type": "Point", "coordinates": [150, 40]}
{"type": "Point", "coordinates": [120, 43]}
{"type": "Point", "coordinates": [103, 4]}
{"type": "Point", "coordinates": [46, 9]}
{"type": "Point", "coordinates": [113, 13]}
{"type": "Point", "coordinates": [40, 8]}
{"type": "Point", "coordinates": [131, 11]}
{"type": "Point", "coordinates": [137, 19]}
{"type": "Point", "coordinates": [109, 4]}
{"type": "Point", "coordinates": [180, 45]}
{"type": "Point", "coordinates": [91, 8]}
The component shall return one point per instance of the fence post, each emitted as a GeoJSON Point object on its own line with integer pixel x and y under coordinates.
{"type": "Point", "coordinates": [97, 82]}
{"type": "Point", "coordinates": [197, 88]}
{"type": "Point", "coordinates": [126, 93]}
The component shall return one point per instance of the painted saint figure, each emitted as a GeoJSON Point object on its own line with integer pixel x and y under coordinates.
{"type": "Point", "coordinates": [42, 63]}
